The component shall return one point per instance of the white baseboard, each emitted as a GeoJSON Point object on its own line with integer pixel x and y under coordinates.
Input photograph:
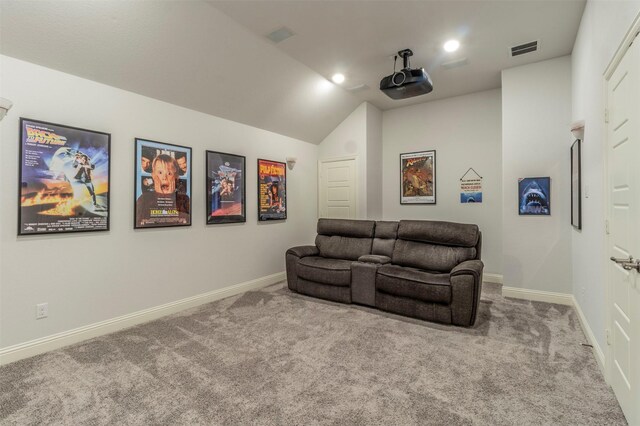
{"type": "Point", "coordinates": [66, 338]}
{"type": "Point", "coordinates": [538, 295]}
{"type": "Point", "coordinates": [492, 278]}
{"type": "Point", "coordinates": [597, 350]}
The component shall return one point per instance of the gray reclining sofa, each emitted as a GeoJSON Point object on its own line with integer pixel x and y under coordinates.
{"type": "Point", "coordinates": [423, 269]}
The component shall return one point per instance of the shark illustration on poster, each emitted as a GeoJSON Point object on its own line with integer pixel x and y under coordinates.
{"type": "Point", "coordinates": [534, 196]}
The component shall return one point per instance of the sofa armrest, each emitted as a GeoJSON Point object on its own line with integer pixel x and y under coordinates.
{"type": "Point", "coordinates": [303, 251]}
{"type": "Point", "coordinates": [374, 258]}
{"type": "Point", "coordinates": [292, 256]}
{"type": "Point", "coordinates": [466, 286]}
{"type": "Point", "coordinates": [469, 267]}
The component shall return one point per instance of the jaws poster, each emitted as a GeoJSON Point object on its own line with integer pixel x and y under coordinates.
{"type": "Point", "coordinates": [534, 196]}
{"type": "Point", "coordinates": [64, 179]}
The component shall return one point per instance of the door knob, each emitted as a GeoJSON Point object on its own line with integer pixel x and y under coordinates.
{"type": "Point", "coordinates": [627, 264]}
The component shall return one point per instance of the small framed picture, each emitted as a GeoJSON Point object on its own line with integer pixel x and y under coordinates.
{"type": "Point", "coordinates": [534, 196]}
{"type": "Point", "coordinates": [226, 188]}
{"type": "Point", "coordinates": [418, 178]}
{"type": "Point", "coordinates": [576, 177]}
{"type": "Point", "coordinates": [272, 190]}
{"type": "Point", "coordinates": [64, 179]}
{"type": "Point", "coordinates": [162, 185]}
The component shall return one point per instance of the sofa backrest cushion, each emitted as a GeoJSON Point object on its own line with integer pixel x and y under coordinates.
{"type": "Point", "coordinates": [344, 239]}
{"type": "Point", "coordinates": [430, 257]}
{"type": "Point", "coordinates": [346, 228]}
{"type": "Point", "coordinates": [433, 245]}
{"type": "Point", "coordinates": [384, 238]}
{"type": "Point", "coordinates": [434, 232]}
{"type": "Point", "coordinates": [338, 247]}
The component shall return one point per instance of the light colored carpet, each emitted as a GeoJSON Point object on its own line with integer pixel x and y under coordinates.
{"type": "Point", "coordinates": [274, 357]}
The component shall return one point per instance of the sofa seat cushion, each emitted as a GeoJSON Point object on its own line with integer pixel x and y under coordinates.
{"type": "Point", "coordinates": [414, 283]}
{"type": "Point", "coordinates": [326, 271]}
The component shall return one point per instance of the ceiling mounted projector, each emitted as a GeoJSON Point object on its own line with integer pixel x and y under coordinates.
{"type": "Point", "coordinates": [407, 82]}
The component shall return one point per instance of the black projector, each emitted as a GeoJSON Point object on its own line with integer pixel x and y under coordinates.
{"type": "Point", "coordinates": [407, 82]}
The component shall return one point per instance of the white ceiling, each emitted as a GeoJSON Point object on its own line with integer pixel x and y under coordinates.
{"type": "Point", "coordinates": [183, 52]}
{"type": "Point", "coordinates": [359, 38]}
{"type": "Point", "coordinates": [213, 56]}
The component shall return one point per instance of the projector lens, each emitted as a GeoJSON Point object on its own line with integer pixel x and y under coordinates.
{"type": "Point", "coordinates": [398, 78]}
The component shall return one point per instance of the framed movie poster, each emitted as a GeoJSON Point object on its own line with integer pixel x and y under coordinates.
{"type": "Point", "coordinates": [272, 190]}
{"type": "Point", "coordinates": [64, 179]}
{"type": "Point", "coordinates": [225, 188]}
{"type": "Point", "coordinates": [418, 178]}
{"type": "Point", "coordinates": [576, 201]}
{"type": "Point", "coordinates": [162, 185]}
{"type": "Point", "coordinates": [534, 196]}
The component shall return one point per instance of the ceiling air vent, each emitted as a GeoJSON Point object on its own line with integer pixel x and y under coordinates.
{"type": "Point", "coordinates": [280, 34]}
{"type": "Point", "coordinates": [456, 63]}
{"type": "Point", "coordinates": [358, 88]}
{"type": "Point", "coordinates": [524, 48]}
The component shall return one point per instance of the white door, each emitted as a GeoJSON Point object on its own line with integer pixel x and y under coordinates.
{"type": "Point", "coordinates": [623, 153]}
{"type": "Point", "coordinates": [337, 189]}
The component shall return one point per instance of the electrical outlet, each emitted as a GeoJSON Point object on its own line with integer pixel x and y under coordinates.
{"type": "Point", "coordinates": [42, 310]}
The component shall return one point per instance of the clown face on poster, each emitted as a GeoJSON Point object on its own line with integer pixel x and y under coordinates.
{"type": "Point", "coordinates": [64, 179]}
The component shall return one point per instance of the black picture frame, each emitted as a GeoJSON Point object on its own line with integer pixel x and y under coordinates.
{"type": "Point", "coordinates": [407, 179]}
{"type": "Point", "coordinates": [73, 142]}
{"type": "Point", "coordinates": [215, 165]}
{"type": "Point", "coordinates": [534, 196]}
{"type": "Point", "coordinates": [267, 209]}
{"type": "Point", "coordinates": [576, 184]}
{"type": "Point", "coordinates": [181, 195]}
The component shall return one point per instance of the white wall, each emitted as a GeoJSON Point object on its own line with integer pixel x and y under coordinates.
{"type": "Point", "coordinates": [602, 29]}
{"type": "Point", "coordinates": [91, 277]}
{"type": "Point", "coordinates": [346, 140]}
{"type": "Point", "coordinates": [374, 162]}
{"type": "Point", "coordinates": [536, 116]}
{"type": "Point", "coordinates": [465, 131]}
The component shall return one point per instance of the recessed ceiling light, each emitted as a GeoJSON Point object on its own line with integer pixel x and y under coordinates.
{"type": "Point", "coordinates": [338, 78]}
{"type": "Point", "coordinates": [451, 45]}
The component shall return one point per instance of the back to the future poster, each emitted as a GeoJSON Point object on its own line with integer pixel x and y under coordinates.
{"type": "Point", "coordinates": [64, 179]}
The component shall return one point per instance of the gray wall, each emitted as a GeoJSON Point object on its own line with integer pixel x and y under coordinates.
{"type": "Point", "coordinates": [91, 277]}
{"type": "Point", "coordinates": [350, 139]}
{"type": "Point", "coordinates": [536, 116]}
{"type": "Point", "coordinates": [465, 131]}
{"type": "Point", "coordinates": [602, 29]}
{"type": "Point", "coordinates": [374, 162]}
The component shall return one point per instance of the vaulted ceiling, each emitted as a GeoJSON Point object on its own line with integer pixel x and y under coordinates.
{"type": "Point", "coordinates": [359, 38]}
{"type": "Point", "coordinates": [213, 56]}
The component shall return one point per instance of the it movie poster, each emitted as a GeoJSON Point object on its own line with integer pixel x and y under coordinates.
{"type": "Point", "coordinates": [225, 188]}
{"type": "Point", "coordinates": [64, 179]}
{"type": "Point", "coordinates": [272, 190]}
{"type": "Point", "coordinates": [418, 178]}
{"type": "Point", "coordinates": [162, 185]}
